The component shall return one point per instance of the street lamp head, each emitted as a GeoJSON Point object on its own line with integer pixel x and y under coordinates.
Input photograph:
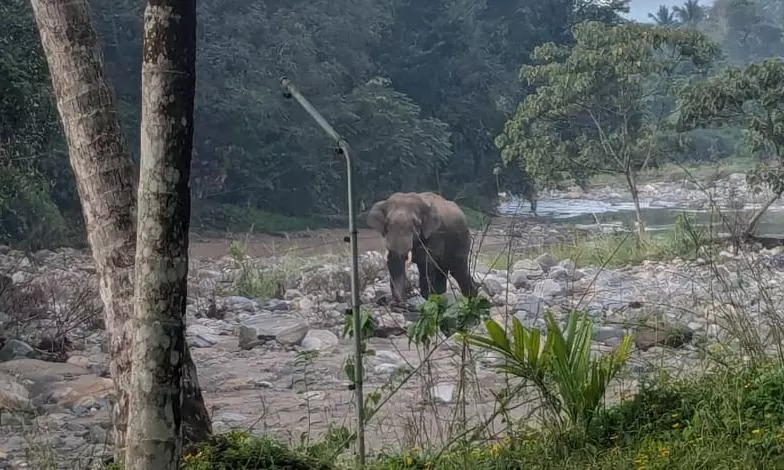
{"type": "Point", "coordinates": [284, 82]}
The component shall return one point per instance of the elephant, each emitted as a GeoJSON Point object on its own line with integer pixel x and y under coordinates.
{"type": "Point", "coordinates": [434, 231]}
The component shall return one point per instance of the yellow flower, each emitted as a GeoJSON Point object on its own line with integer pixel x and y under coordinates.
{"type": "Point", "coordinates": [416, 449]}
{"type": "Point", "coordinates": [189, 457]}
{"type": "Point", "coordinates": [755, 431]}
{"type": "Point", "coordinates": [495, 449]}
{"type": "Point", "coordinates": [676, 425]}
{"type": "Point", "coordinates": [408, 460]}
{"type": "Point", "coordinates": [664, 452]}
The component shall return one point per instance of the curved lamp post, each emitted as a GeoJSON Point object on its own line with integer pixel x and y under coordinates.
{"type": "Point", "coordinates": [290, 91]}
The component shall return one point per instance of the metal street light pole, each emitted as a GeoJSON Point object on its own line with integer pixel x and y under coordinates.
{"type": "Point", "coordinates": [290, 91]}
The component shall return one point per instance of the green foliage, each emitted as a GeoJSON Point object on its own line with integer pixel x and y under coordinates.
{"type": "Point", "coordinates": [253, 281]}
{"type": "Point", "coordinates": [438, 314]}
{"type": "Point", "coordinates": [571, 382]}
{"type": "Point", "coordinates": [28, 216]}
{"type": "Point", "coordinates": [239, 450]}
{"type": "Point", "coordinates": [238, 219]}
{"type": "Point", "coordinates": [590, 112]}
{"type": "Point", "coordinates": [419, 90]}
{"type": "Point", "coordinates": [752, 98]}
{"type": "Point", "coordinates": [730, 418]}
{"type": "Point", "coordinates": [36, 194]}
{"type": "Point", "coordinates": [685, 240]}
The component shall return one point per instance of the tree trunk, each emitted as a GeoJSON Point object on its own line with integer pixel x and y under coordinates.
{"type": "Point", "coordinates": [106, 182]}
{"type": "Point", "coordinates": [631, 180]}
{"type": "Point", "coordinates": [754, 222]}
{"type": "Point", "coordinates": [105, 176]}
{"type": "Point", "coordinates": [168, 88]}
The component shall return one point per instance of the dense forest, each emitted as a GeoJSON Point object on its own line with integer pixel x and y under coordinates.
{"type": "Point", "coordinates": [431, 96]}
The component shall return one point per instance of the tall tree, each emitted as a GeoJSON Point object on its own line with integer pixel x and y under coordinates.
{"type": "Point", "coordinates": [663, 16]}
{"type": "Point", "coordinates": [589, 112]}
{"type": "Point", "coordinates": [752, 98]}
{"type": "Point", "coordinates": [168, 89]}
{"type": "Point", "coordinates": [690, 13]}
{"type": "Point", "coordinates": [106, 181]}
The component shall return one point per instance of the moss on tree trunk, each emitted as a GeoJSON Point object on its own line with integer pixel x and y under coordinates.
{"type": "Point", "coordinates": [106, 181]}
{"type": "Point", "coordinates": [168, 89]}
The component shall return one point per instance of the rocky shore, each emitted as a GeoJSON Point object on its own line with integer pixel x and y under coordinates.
{"type": "Point", "coordinates": [730, 192]}
{"type": "Point", "coordinates": [55, 394]}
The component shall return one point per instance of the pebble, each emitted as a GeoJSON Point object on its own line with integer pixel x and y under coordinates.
{"type": "Point", "coordinates": [250, 360]}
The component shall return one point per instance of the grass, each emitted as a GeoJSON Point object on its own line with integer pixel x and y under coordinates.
{"type": "Point", "coordinates": [236, 219]}
{"type": "Point", "coordinates": [730, 418]}
{"type": "Point", "coordinates": [684, 241]}
{"type": "Point", "coordinates": [672, 172]}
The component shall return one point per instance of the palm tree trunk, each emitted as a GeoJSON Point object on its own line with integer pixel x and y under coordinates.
{"type": "Point", "coordinates": [106, 181]}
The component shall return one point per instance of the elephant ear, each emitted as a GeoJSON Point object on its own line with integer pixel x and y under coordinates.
{"type": "Point", "coordinates": [377, 217]}
{"type": "Point", "coordinates": [430, 219]}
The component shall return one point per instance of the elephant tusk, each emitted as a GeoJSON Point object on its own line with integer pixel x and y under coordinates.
{"type": "Point", "coordinates": [409, 256]}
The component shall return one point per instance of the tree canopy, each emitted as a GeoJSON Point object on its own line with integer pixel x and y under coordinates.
{"type": "Point", "coordinates": [420, 89]}
{"type": "Point", "coordinates": [595, 108]}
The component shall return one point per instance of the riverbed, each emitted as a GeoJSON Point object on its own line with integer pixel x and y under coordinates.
{"type": "Point", "coordinates": [729, 202]}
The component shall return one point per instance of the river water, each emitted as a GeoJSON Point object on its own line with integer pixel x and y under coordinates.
{"type": "Point", "coordinates": [583, 213]}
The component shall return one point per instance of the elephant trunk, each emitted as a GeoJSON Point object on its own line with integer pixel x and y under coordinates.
{"type": "Point", "coordinates": [396, 263]}
{"type": "Point", "coordinates": [400, 243]}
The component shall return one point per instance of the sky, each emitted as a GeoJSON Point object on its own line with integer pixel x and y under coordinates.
{"type": "Point", "coordinates": [639, 9]}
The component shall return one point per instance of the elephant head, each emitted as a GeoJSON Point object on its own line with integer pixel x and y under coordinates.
{"type": "Point", "coordinates": [402, 219]}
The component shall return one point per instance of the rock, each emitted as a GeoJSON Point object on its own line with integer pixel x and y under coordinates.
{"type": "Point", "coordinates": [319, 340]}
{"type": "Point", "coordinates": [13, 395]}
{"type": "Point", "coordinates": [198, 341]}
{"type": "Point", "coordinates": [531, 304]}
{"type": "Point", "coordinates": [532, 269]}
{"type": "Point", "coordinates": [608, 334]}
{"type": "Point", "coordinates": [389, 362]}
{"type": "Point", "coordinates": [15, 349]}
{"type": "Point", "coordinates": [548, 288]}
{"type": "Point", "coordinates": [386, 324]}
{"type": "Point", "coordinates": [5, 282]}
{"type": "Point", "coordinates": [329, 280]}
{"type": "Point", "coordinates": [568, 265]}
{"type": "Point", "coordinates": [274, 305]}
{"type": "Point", "coordinates": [493, 286]}
{"type": "Point", "coordinates": [546, 261]}
{"type": "Point", "coordinates": [285, 330]}
{"type": "Point", "coordinates": [519, 280]}
{"type": "Point", "coordinates": [443, 393]}
{"type": "Point", "coordinates": [674, 336]}
{"type": "Point", "coordinates": [558, 273]}
{"type": "Point", "coordinates": [232, 417]}
{"type": "Point", "coordinates": [314, 395]}
{"type": "Point", "coordinates": [236, 303]}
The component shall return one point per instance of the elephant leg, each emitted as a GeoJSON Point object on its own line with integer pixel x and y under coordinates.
{"type": "Point", "coordinates": [432, 278]}
{"type": "Point", "coordinates": [424, 277]}
{"type": "Point", "coordinates": [398, 282]}
{"type": "Point", "coordinates": [462, 275]}
{"type": "Point", "coordinates": [437, 279]}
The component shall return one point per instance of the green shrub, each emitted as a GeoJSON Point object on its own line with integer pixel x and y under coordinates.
{"type": "Point", "coordinates": [570, 380]}
{"type": "Point", "coordinates": [253, 281]}
{"type": "Point", "coordinates": [28, 216]}
{"type": "Point", "coordinates": [237, 450]}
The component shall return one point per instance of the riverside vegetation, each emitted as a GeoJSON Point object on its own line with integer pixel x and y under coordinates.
{"type": "Point", "coordinates": [613, 363]}
{"type": "Point", "coordinates": [610, 351]}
